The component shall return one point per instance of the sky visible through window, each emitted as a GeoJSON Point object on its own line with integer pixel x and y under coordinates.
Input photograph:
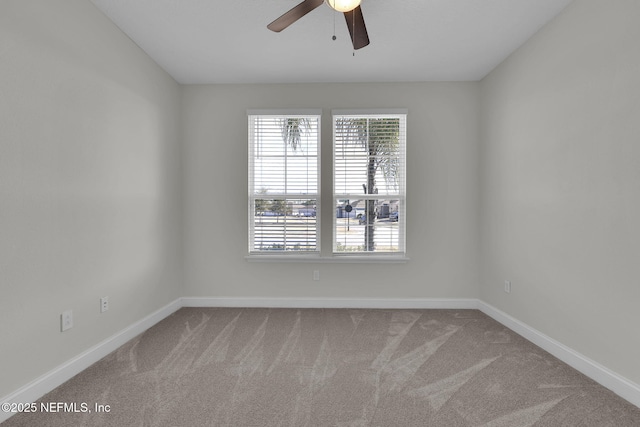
{"type": "Point", "coordinates": [281, 169]}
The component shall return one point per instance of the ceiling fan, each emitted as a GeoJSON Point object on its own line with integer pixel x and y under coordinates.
{"type": "Point", "coordinates": [350, 8]}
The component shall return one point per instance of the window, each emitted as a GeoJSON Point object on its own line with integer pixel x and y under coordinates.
{"type": "Point", "coordinates": [369, 182]}
{"type": "Point", "coordinates": [284, 177]}
{"type": "Point", "coordinates": [369, 194]}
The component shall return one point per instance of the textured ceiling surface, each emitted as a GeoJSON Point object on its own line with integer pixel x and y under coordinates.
{"type": "Point", "coordinates": [215, 41]}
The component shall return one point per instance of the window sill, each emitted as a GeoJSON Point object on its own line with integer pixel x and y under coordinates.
{"type": "Point", "coordinates": [337, 259]}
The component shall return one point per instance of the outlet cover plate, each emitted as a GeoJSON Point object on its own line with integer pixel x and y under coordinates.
{"type": "Point", "coordinates": [66, 320]}
{"type": "Point", "coordinates": [104, 304]}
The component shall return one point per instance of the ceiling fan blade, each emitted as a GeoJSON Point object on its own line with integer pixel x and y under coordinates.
{"type": "Point", "coordinates": [294, 14]}
{"type": "Point", "coordinates": [357, 29]}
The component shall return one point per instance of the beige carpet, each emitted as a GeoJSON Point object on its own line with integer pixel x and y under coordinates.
{"type": "Point", "coordinates": [332, 367]}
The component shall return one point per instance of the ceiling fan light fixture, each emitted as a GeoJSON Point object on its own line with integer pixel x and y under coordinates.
{"type": "Point", "coordinates": [343, 5]}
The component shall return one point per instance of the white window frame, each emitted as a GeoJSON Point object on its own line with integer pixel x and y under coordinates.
{"type": "Point", "coordinates": [401, 195]}
{"type": "Point", "coordinates": [253, 196]}
{"type": "Point", "coordinates": [318, 256]}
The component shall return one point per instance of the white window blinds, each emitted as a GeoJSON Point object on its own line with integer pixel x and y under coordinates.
{"type": "Point", "coordinates": [284, 172]}
{"type": "Point", "coordinates": [369, 182]}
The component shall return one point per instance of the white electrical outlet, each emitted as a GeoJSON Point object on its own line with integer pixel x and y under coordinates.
{"type": "Point", "coordinates": [507, 286]}
{"type": "Point", "coordinates": [66, 320]}
{"type": "Point", "coordinates": [316, 274]}
{"type": "Point", "coordinates": [104, 304]}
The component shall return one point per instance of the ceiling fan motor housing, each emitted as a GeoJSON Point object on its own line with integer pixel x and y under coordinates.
{"type": "Point", "coordinates": [343, 5]}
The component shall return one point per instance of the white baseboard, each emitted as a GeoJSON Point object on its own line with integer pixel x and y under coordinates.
{"type": "Point", "coordinates": [600, 374]}
{"type": "Point", "coordinates": [604, 376]}
{"type": "Point", "coordinates": [417, 303]}
{"type": "Point", "coordinates": [52, 379]}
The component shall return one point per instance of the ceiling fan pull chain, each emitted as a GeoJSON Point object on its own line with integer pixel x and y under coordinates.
{"type": "Point", "coordinates": [353, 20]}
{"type": "Point", "coordinates": [334, 24]}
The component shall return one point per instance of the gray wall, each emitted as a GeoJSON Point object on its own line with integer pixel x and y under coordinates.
{"type": "Point", "coordinates": [560, 167]}
{"type": "Point", "coordinates": [442, 192]}
{"type": "Point", "coordinates": [89, 184]}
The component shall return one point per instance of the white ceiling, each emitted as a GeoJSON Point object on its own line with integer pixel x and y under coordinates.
{"type": "Point", "coordinates": [216, 41]}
